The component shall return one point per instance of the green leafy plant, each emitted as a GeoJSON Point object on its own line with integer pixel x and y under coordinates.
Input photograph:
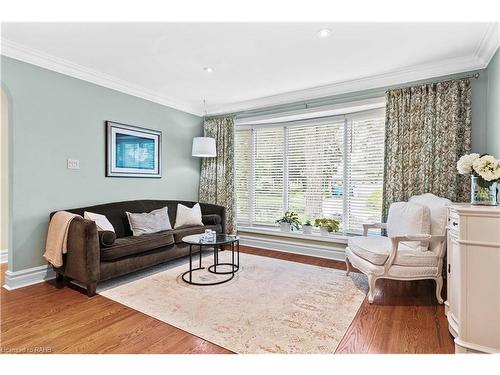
{"type": "Point", "coordinates": [291, 218]}
{"type": "Point", "coordinates": [331, 225]}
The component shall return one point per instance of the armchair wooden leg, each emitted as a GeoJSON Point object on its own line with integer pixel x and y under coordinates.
{"type": "Point", "coordinates": [91, 288]}
{"type": "Point", "coordinates": [348, 266]}
{"type": "Point", "coordinates": [371, 285]}
{"type": "Point", "coordinates": [439, 286]}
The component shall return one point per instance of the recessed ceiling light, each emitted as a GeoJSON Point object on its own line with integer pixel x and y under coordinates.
{"type": "Point", "coordinates": [208, 69]}
{"type": "Point", "coordinates": [323, 33]}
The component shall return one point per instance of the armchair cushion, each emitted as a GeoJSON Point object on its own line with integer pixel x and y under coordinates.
{"type": "Point", "coordinates": [373, 249]}
{"type": "Point", "coordinates": [376, 250]}
{"type": "Point", "coordinates": [409, 218]}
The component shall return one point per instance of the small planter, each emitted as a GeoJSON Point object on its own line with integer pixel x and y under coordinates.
{"type": "Point", "coordinates": [324, 231]}
{"type": "Point", "coordinates": [285, 227]}
{"type": "Point", "coordinates": [307, 229]}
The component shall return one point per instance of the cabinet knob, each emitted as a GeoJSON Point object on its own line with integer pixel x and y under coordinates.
{"type": "Point", "coordinates": [455, 223]}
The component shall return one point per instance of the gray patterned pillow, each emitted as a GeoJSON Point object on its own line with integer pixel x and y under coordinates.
{"type": "Point", "coordinates": [149, 222]}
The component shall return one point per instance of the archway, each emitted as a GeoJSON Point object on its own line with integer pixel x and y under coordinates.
{"type": "Point", "coordinates": [4, 173]}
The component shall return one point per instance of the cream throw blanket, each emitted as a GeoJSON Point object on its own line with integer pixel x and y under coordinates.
{"type": "Point", "coordinates": [57, 237]}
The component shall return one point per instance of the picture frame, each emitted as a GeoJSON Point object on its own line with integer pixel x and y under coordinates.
{"type": "Point", "coordinates": [132, 151]}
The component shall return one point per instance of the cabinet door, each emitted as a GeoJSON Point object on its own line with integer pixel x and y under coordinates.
{"type": "Point", "coordinates": [454, 277]}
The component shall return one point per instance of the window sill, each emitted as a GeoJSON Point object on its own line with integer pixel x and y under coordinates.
{"type": "Point", "coordinates": [315, 236]}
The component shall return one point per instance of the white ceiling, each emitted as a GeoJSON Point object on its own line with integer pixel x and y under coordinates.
{"type": "Point", "coordinates": [256, 64]}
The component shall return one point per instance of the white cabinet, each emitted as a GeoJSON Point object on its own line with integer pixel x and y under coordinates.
{"type": "Point", "coordinates": [473, 282]}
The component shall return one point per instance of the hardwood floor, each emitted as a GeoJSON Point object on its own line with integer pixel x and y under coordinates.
{"type": "Point", "coordinates": [405, 318]}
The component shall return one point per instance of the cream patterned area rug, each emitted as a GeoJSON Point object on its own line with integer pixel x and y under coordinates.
{"type": "Point", "coordinates": [271, 305]}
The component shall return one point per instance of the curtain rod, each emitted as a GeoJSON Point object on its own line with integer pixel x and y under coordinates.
{"type": "Point", "coordinates": [306, 103]}
{"type": "Point", "coordinates": [475, 76]}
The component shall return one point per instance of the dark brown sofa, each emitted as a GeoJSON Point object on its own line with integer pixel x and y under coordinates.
{"type": "Point", "coordinates": [89, 262]}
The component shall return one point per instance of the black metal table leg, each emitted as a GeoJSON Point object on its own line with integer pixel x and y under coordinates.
{"type": "Point", "coordinates": [213, 268]}
{"type": "Point", "coordinates": [232, 255]}
{"type": "Point", "coordinates": [190, 263]}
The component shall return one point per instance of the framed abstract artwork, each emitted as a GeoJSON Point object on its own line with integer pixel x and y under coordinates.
{"type": "Point", "coordinates": [132, 151]}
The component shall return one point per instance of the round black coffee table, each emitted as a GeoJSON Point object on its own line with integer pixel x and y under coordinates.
{"type": "Point", "coordinates": [218, 245]}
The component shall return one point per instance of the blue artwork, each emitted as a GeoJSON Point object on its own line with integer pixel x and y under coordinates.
{"type": "Point", "coordinates": [132, 151]}
{"type": "Point", "coordinates": [135, 152]}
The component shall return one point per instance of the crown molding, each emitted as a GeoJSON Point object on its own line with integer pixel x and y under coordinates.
{"type": "Point", "coordinates": [488, 45]}
{"type": "Point", "coordinates": [393, 78]}
{"type": "Point", "coordinates": [59, 65]}
{"type": "Point", "coordinates": [479, 60]}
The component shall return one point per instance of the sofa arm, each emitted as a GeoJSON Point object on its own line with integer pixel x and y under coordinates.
{"type": "Point", "coordinates": [213, 209]}
{"type": "Point", "coordinates": [83, 256]}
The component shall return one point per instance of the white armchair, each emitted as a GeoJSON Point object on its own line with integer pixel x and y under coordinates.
{"type": "Point", "coordinates": [414, 249]}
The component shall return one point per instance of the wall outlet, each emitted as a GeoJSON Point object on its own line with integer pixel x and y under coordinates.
{"type": "Point", "coordinates": [73, 164]}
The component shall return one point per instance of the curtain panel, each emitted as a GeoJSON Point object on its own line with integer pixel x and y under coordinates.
{"type": "Point", "coordinates": [428, 128]}
{"type": "Point", "coordinates": [217, 174]}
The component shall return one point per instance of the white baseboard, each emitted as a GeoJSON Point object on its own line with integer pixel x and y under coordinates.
{"type": "Point", "coordinates": [30, 276]}
{"type": "Point", "coordinates": [4, 256]}
{"type": "Point", "coordinates": [319, 251]}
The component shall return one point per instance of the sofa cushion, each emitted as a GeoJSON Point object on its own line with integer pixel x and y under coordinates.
{"type": "Point", "coordinates": [188, 216]}
{"type": "Point", "coordinates": [101, 221]}
{"type": "Point", "coordinates": [131, 245]}
{"type": "Point", "coordinates": [149, 222]}
{"type": "Point", "coordinates": [180, 233]}
{"type": "Point", "coordinates": [212, 219]}
{"type": "Point", "coordinates": [376, 250]}
{"type": "Point", "coordinates": [106, 238]}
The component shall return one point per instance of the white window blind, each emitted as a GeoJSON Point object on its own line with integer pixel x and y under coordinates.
{"type": "Point", "coordinates": [268, 153]}
{"type": "Point", "coordinates": [365, 170]}
{"type": "Point", "coordinates": [317, 168]}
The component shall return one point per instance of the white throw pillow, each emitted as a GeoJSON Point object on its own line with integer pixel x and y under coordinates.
{"type": "Point", "coordinates": [439, 212]}
{"type": "Point", "coordinates": [409, 218]}
{"type": "Point", "coordinates": [149, 222]}
{"type": "Point", "coordinates": [187, 217]}
{"type": "Point", "coordinates": [100, 220]}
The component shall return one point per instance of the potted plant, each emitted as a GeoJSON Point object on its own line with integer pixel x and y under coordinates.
{"type": "Point", "coordinates": [289, 220]}
{"type": "Point", "coordinates": [327, 226]}
{"type": "Point", "coordinates": [484, 171]}
{"type": "Point", "coordinates": [307, 227]}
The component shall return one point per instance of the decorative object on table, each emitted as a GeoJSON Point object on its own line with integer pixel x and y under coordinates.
{"type": "Point", "coordinates": [327, 226]}
{"type": "Point", "coordinates": [132, 151]}
{"type": "Point", "coordinates": [217, 173]}
{"type": "Point", "coordinates": [288, 221]}
{"type": "Point", "coordinates": [484, 171]}
{"type": "Point", "coordinates": [432, 121]}
{"type": "Point", "coordinates": [307, 227]}
{"type": "Point", "coordinates": [209, 235]}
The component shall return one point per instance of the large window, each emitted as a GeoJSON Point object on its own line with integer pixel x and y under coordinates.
{"type": "Point", "coordinates": [318, 168]}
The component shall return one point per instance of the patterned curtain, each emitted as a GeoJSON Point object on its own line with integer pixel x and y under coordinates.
{"type": "Point", "coordinates": [428, 128]}
{"type": "Point", "coordinates": [217, 174]}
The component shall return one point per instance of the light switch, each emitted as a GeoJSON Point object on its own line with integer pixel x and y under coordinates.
{"type": "Point", "coordinates": [73, 164]}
